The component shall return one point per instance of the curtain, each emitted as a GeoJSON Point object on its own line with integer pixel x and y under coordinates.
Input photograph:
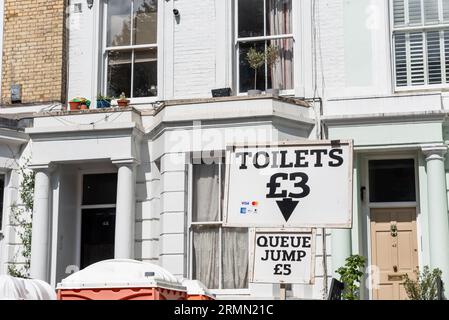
{"type": "Point", "coordinates": [206, 190]}
{"type": "Point", "coordinates": [235, 258]}
{"type": "Point", "coordinates": [205, 256]}
{"type": "Point", "coordinates": [279, 14]}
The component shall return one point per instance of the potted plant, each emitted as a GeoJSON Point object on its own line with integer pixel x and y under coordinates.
{"type": "Point", "coordinates": [256, 59]}
{"type": "Point", "coordinates": [103, 101]}
{"type": "Point", "coordinates": [122, 101]}
{"type": "Point", "coordinates": [272, 56]}
{"type": "Point", "coordinates": [79, 103]}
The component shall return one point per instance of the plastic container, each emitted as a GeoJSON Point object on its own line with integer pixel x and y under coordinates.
{"type": "Point", "coordinates": [121, 280]}
{"type": "Point", "coordinates": [196, 290]}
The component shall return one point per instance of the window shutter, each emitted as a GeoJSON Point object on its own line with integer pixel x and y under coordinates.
{"type": "Point", "coordinates": [416, 59]}
{"type": "Point", "coordinates": [401, 59]}
{"type": "Point", "coordinates": [446, 11]}
{"type": "Point", "coordinates": [431, 11]}
{"type": "Point", "coordinates": [399, 12]}
{"type": "Point", "coordinates": [434, 57]}
{"type": "Point", "coordinates": [446, 53]}
{"type": "Point", "coordinates": [414, 12]}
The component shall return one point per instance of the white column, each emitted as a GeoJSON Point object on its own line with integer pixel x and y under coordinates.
{"type": "Point", "coordinates": [125, 212]}
{"type": "Point", "coordinates": [40, 239]}
{"type": "Point", "coordinates": [341, 249]}
{"type": "Point", "coordinates": [438, 209]}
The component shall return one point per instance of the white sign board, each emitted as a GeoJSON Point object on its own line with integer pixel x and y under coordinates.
{"type": "Point", "coordinates": [305, 185]}
{"type": "Point", "coordinates": [281, 256]}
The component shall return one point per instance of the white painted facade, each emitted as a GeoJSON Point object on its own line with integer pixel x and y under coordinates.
{"type": "Point", "coordinates": [343, 55]}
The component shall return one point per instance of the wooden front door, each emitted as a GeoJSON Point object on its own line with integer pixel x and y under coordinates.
{"type": "Point", "coordinates": [394, 250]}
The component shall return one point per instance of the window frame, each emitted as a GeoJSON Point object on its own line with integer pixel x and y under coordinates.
{"type": "Point", "coordinates": [2, 208]}
{"type": "Point", "coordinates": [238, 40]}
{"type": "Point", "coordinates": [422, 28]}
{"type": "Point", "coordinates": [104, 49]}
{"type": "Point", "coordinates": [190, 224]}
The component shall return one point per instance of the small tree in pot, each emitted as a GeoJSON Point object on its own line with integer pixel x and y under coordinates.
{"type": "Point", "coordinates": [256, 59]}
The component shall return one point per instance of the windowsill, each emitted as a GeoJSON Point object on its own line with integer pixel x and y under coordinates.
{"type": "Point", "coordinates": [426, 88]}
{"type": "Point", "coordinates": [283, 93]}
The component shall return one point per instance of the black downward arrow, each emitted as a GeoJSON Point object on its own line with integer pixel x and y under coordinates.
{"type": "Point", "coordinates": [287, 207]}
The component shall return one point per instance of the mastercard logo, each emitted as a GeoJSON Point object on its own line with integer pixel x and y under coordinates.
{"type": "Point", "coordinates": [254, 203]}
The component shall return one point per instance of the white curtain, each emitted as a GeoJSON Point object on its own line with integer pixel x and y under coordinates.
{"type": "Point", "coordinates": [205, 256]}
{"type": "Point", "coordinates": [206, 190]}
{"type": "Point", "coordinates": [235, 258]}
{"type": "Point", "coordinates": [279, 22]}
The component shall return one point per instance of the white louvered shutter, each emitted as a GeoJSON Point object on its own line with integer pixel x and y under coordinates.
{"type": "Point", "coordinates": [416, 41]}
{"type": "Point", "coordinates": [431, 12]}
{"type": "Point", "coordinates": [414, 12]}
{"type": "Point", "coordinates": [401, 59]}
{"type": "Point", "coordinates": [399, 12]}
{"type": "Point", "coordinates": [434, 57]}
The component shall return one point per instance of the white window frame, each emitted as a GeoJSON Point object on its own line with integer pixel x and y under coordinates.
{"type": "Point", "coordinates": [105, 49]}
{"type": "Point", "coordinates": [3, 211]}
{"type": "Point", "coordinates": [407, 29]}
{"type": "Point", "coordinates": [238, 40]}
{"type": "Point", "coordinates": [218, 224]}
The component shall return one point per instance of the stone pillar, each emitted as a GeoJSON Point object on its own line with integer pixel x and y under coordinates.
{"type": "Point", "coordinates": [341, 248]}
{"type": "Point", "coordinates": [125, 212]}
{"type": "Point", "coordinates": [438, 209]}
{"type": "Point", "coordinates": [40, 239]}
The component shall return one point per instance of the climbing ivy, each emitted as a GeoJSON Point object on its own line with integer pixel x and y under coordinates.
{"type": "Point", "coordinates": [21, 218]}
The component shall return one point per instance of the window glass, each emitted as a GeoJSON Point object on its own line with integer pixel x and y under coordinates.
{"type": "Point", "coordinates": [392, 180]}
{"type": "Point", "coordinates": [251, 18]}
{"type": "Point", "coordinates": [119, 73]}
{"type": "Point", "coordinates": [145, 22]}
{"type": "Point", "coordinates": [145, 73]}
{"type": "Point", "coordinates": [279, 14]}
{"type": "Point", "coordinates": [99, 189]}
{"type": "Point", "coordinates": [119, 23]}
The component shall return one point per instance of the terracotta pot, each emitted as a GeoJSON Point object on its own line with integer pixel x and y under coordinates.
{"type": "Point", "coordinates": [74, 105]}
{"type": "Point", "coordinates": [123, 103]}
{"type": "Point", "coordinates": [83, 107]}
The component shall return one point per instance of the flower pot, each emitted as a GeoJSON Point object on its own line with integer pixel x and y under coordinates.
{"type": "Point", "coordinates": [101, 104]}
{"type": "Point", "coordinates": [273, 92]}
{"type": "Point", "coordinates": [84, 107]}
{"type": "Point", "coordinates": [252, 93]}
{"type": "Point", "coordinates": [74, 105]}
{"type": "Point", "coordinates": [123, 103]}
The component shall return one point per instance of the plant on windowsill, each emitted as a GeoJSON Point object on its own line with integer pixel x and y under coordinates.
{"type": "Point", "coordinates": [122, 101]}
{"type": "Point", "coordinates": [256, 59]}
{"type": "Point", "coordinates": [79, 104]}
{"type": "Point", "coordinates": [351, 275]}
{"type": "Point", "coordinates": [103, 101]}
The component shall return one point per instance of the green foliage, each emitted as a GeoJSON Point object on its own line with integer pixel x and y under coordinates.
{"type": "Point", "coordinates": [21, 218]}
{"type": "Point", "coordinates": [351, 275]}
{"type": "Point", "coordinates": [425, 287]}
{"type": "Point", "coordinates": [256, 59]}
{"type": "Point", "coordinates": [101, 97]}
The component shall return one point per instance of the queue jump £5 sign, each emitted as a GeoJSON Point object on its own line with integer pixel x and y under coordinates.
{"type": "Point", "coordinates": [282, 256]}
{"type": "Point", "coordinates": [290, 185]}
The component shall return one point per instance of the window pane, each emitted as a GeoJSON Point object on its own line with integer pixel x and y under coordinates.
{"type": "Point", "coordinates": [446, 53]}
{"type": "Point", "coordinates": [417, 58]}
{"type": "Point", "coordinates": [431, 11]}
{"type": "Point", "coordinates": [235, 258]}
{"type": "Point", "coordinates": [145, 22]}
{"type": "Point", "coordinates": [392, 180]}
{"type": "Point", "coordinates": [119, 23]}
{"type": "Point", "coordinates": [145, 73]}
{"type": "Point", "coordinates": [119, 73]}
{"type": "Point", "coordinates": [401, 59]}
{"type": "Point", "coordinates": [414, 11]}
{"type": "Point", "coordinates": [248, 75]}
{"type": "Point", "coordinates": [2, 191]}
{"type": "Point", "coordinates": [279, 17]}
{"type": "Point", "coordinates": [206, 193]}
{"type": "Point", "coordinates": [434, 57]}
{"type": "Point", "coordinates": [446, 11]}
{"type": "Point", "coordinates": [280, 72]}
{"type": "Point", "coordinates": [250, 18]}
{"type": "Point", "coordinates": [205, 256]}
{"type": "Point", "coordinates": [399, 12]}
{"type": "Point", "coordinates": [99, 189]}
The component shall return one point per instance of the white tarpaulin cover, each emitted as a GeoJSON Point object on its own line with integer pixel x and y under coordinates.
{"type": "Point", "coordinates": [121, 273]}
{"type": "Point", "coordinates": [196, 288]}
{"type": "Point", "coordinates": [25, 289]}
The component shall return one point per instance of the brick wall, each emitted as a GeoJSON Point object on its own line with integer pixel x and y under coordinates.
{"type": "Point", "coordinates": [33, 50]}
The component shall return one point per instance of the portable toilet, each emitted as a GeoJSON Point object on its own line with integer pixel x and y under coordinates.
{"type": "Point", "coordinates": [121, 279]}
{"type": "Point", "coordinates": [196, 290]}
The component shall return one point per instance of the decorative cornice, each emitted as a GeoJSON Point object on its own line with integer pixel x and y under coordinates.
{"type": "Point", "coordinates": [435, 151]}
{"type": "Point", "coordinates": [125, 162]}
